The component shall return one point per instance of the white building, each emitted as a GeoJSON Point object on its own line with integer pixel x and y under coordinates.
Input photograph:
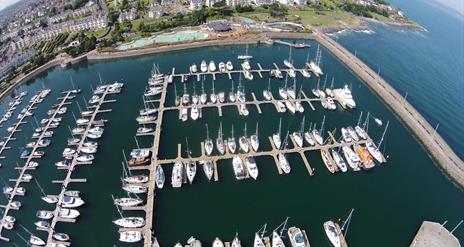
{"type": "Point", "coordinates": [263, 2]}
{"type": "Point", "coordinates": [196, 4]}
{"type": "Point", "coordinates": [235, 3]}
{"type": "Point", "coordinates": [155, 11]}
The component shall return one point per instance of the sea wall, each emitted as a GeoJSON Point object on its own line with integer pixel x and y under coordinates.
{"type": "Point", "coordinates": [436, 146]}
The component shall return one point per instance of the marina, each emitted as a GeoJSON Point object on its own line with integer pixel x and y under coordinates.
{"type": "Point", "coordinates": [170, 215]}
{"type": "Point", "coordinates": [22, 173]}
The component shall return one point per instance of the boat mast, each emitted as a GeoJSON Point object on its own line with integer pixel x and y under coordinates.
{"type": "Point", "coordinates": [280, 126]}
{"type": "Point", "coordinates": [207, 132]}
{"type": "Point", "coordinates": [346, 223]}
{"type": "Point", "coordinates": [359, 119]}
{"type": "Point", "coordinates": [232, 87]}
{"type": "Point", "coordinates": [232, 131]}
{"type": "Point", "coordinates": [269, 85]}
{"type": "Point", "coordinates": [256, 129]}
{"type": "Point", "coordinates": [317, 85]}
{"type": "Point", "coordinates": [383, 135]}
{"type": "Point", "coordinates": [117, 207]}
{"type": "Point", "coordinates": [194, 89]}
{"type": "Point", "coordinates": [332, 83]}
{"type": "Point", "coordinates": [283, 227]}
{"type": "Point", "coordinates": [366, 122]}
{"type": "Point", "coordinates": [245, 130]}
{"type": "Point", "coordinates": [302, 125]}
{"type": "Point", "coordinates": [213, 87]}
{"type": "Point", "coordinates": [40, 188]}
{"type": "Point", "coordinates": [322, 125]}
{"type": "Point", "coordinates": [325, 82]}
{"type": "Point", "coordinates": [220, 130]}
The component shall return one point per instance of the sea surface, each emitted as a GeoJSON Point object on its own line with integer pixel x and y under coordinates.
{"type": "Point", "coordinates": [425, 66]}
{"type": "Point", "coordinates": [390, 201]}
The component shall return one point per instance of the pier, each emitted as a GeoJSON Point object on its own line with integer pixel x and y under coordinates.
{"type": "Point", "coordinates": [432, 234]}
{"type": "Point", "coordinates": [23, 169]}
{"type": "Point", "coordinates": [74, 163]}
{"type": "Point", "coordinates": [31, 106]}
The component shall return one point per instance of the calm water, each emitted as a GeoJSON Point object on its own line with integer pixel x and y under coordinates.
{"type": "Point", "coordinates": [427, 65]}
{"type": "Point", "coordinates": [391, 200]}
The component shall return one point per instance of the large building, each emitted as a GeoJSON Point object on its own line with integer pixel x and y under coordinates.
{"type": "Point", "coordinates": [235, 3]}
{"type": "Point", "coordinates": [196, 4]}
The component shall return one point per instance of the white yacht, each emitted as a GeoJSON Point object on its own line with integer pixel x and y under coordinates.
{"type": "Point", "coordinates": [375, 152]}
{"type": "Point", "coordinates": [130, 236]}
{"type": "Point", "coordinates": [208, 169]}
{"type": "Point", "coordinates": [339, 160]}
{"type": "Point", "coordinates": [177, 174]}
{"type": "Point", "coordinates": [222, 67]}
{"type": "Point", "coordinates": [36, 241]}
{"type": "Point", "coordinates": [71, 202]}
{"type": "Point", "coordinates": [283, 163]}
{"type": "Point", "coordinates": [220, 140]}
{"type": "Point", "coordinates": [346, 135]}
{"type": "Point", "coordinates": [361, 132]}
{"type": "Point", "coordinates": [194, 112]}
{"type": "Point", "coordinates": [191, 170]}
{"type": "Point", "coordinates": [231, 144]}
{"type": "Point", "coordinates": [130, 222]}
{"type": "Point", "coordinates": [351, 157]}
{"type": "Point", "coordinates": [276, 137]}
{"type": "Point", "coordinates": [211, 66]}
{"type": "Point", "coordinates": [297, 237]}
{"type": "Point", "coordinates": [229, 66]}
{"type": "Point", "coordinates": [252, 167]}
{"type": "Point", "coordinates": [208, 145]}
{"type": "Point", "coordinates": [193, 68]}
{"type": "Point", "coordinates": [254, 140]}
{"type": "Point", "coordinates": [203, 66]}
{"type": "Point", "coordinates": [218, 243]}
{"type": "Point", "coordinates": [66, 213]}
{"type": "Point", "coordinates": [127, 201]}
{"type": "Point", "coordinates": [345, 97]}
{"type": "Point", "coordinates": [239, 169]}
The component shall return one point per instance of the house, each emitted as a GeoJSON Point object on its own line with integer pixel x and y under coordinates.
{"type": "Point", "coordinates": [235, 3]}
{"type": "Point", "coordinates": [196, 4]}
{"type": "Point", "coordinates": [155, 11]}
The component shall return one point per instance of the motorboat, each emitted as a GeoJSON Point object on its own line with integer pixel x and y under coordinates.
{"type": "Point", "coordinates": [130, 222]}
{"type": "Point", "coordinates": [88, 150]}
{"type": "Point", "coordinates": [291, 73]}
{"type": "Point", "coordinates": [127, 201]}
{"type": "Point", "coordinates": [68, 152]}
{"type": "Point", "coordinates": [50, 199]}
{"type": "Point", "coordinates": [66, 213]}
{"type": "Point", "coordinates": [194, 113]}
{"type": "Point", "coordinates": [283, 163]}
{"type": "Point", "coordinates": [63, 237]}
{"type": "Point", "coordinates": [351, 157]}
{"type": "Point", "coordinates": [193, 242]}
{"type": "Point", "coordinates": [238, 167]}
{"type": "Point", "coordinates": [82, 121]}
{"type": "Point", "coordinates": [222, 67]}
{"type": "Point", "coordinates": [144, 130]}
{"type": "Point", "coordinates": [288, 64]}
{"type": "Point", "coordinates": [145, 119]}
{"type": "Point", "coordinates": [244, 110]}
{"type": "Point", "coordinates": [43, 214]}
{"type": "Point", "coordinates": [130, 236]}
{"type": "Point", "coordinates": [72, 193]}
{"type": "Point", "coordinates": [136, 189]}
{"type": "Point", "coordinates": [346, 135]}
{"type": "Point", "coordinates": [136, 179]}
{"type": "Point", "coordinates": [42, 224]}
{"type": "Point", "coordinates": [177, 174]}
{"type": "Point", "coordinates": [252, 167]}
{"type": "Point", "coordinates": [36, 241]}
{"type": "Point", "coordinates": [147, 111]}
{"type": "Point", "coordinates": [191, 170]}
{"type": "Point", "coordinates": [15, 205]}
{"type": "Point", "coordinates": [159, 177]}
{"type": "Point", "coordinates": [328, 161]}
{"type": "Point", "coordinates": [140, 153]}
{"type": "Point", "coordinates": [71, 202]}
{"type": "Point", "coordinates": [339, 160]}
{"type": "Point", "coordinates": [305, 73]}
{"type": "Point", "coordinates": [298, 106]}
{"type": "Point", "coordinates": [297, 237]}
{"type": "Point", "coordinates": [208, 169]}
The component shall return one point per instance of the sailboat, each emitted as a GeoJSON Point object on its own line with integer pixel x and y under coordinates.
{"type": "Point", "coordinates": [283, 90]}
{"type": "Point", "coordinates": [159, 176]}
{"type": "Point", "coordinates": [291, 91]}
{"type": "Point", "coordinates": [232, 93]}
{"type": "Point", "coordinates": [213, 96]}
{"type": "Point", "coordinates": [236, 241]}
{"type": "Point", "coordinates": [298, 135]}
{"type": "Point", "coordinates": [220, 140]}
{"type": "Point", "coordinates": [267, 94]}
{"type": "Point", "coordinates": [361, 130]}
{"type": "Point", "coordinates": [334, 233]}
{"type": "Point", "coordinates": [317, 134]}
{"type": "Point", "coordinates": [277, 235]}
{"type": "Point", "coordinates": [203, 96]}
{"type": "Point", "coordinates": [374, 150]}
{"type": "Point", "coordinates": [254, 139]}
{"type": "Point", "coordinates": [191, 166]}
{"type": "Point", "coordinates": [208, 169]}
{"type": "Point", "coordinates": [314, 66]}
{"type": "Point", "coordinates": [283, 162]}
{"type": "Point", "coordinates": [259, 241]}
{"type": "Point", "coordinates": [208, 143]}
{"type": "Point", "coordinates": [51, 199]}
{"type": "Point", "coordinates": [308, 136]}
{"type": "Point", "coordinates": [195, 98]}
{"type": "Point", "coordinates": [231, 142]}
{"type": "Point", "coordinates": [276, 137]}
{"type": "Point", "coordinates": [185, 96]}
{"type": "Point", "coordinates": [243, 141]}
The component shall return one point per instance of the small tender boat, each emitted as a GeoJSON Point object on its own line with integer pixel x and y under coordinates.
{"type": "Point", "coordinates": [136, 189]}
{"type": "Point", "coordinates": [63, 237]}
{"type": "Point", "coordinates": [42, 224]}
{"type": "Point", "coordinates": [50, 199]}
{"type": "Point", "coordinates": [67, 213]}
{"type": "Point", "coordinates": [130, 236]}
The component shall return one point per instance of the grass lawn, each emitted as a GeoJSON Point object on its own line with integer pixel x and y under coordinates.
{"type": "Point", "coordinates": [99, 33]}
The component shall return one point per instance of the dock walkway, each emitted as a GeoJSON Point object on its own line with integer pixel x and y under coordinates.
{"type": "Point", "coordinates": [7, 207]}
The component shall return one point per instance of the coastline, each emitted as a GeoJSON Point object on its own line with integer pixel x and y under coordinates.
{"type": "Point", "coordinates": [434, 144]}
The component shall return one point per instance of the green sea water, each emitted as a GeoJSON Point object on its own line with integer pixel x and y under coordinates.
{"type": "Point", "coordinates": [390, 201]}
